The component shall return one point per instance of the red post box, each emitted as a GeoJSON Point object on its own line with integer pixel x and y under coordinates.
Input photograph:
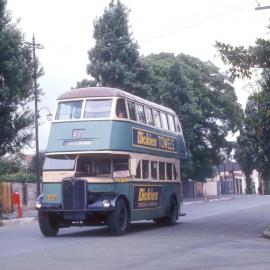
{"type": "Point", "coordinates": [16, 200]}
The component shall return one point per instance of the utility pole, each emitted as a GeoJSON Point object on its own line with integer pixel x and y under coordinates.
{"type": "Point", "coordinates": [35, 46]}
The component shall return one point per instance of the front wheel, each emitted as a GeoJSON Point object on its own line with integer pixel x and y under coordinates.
{"type": "Point", "coordinates": [119, 219]}
{"type": "Point", "coordinates": [172, 216]}
{"type": "Point", "coordinates": [48, 224]}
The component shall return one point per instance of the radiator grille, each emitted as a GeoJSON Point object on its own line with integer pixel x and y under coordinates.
{"type": "Point", "coordinates": [74, 194]}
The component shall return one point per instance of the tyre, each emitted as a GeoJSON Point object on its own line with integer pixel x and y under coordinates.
{"type": "Point", "coordinates": [119, 219]}
{"type": "Point", "coordinates": [172, 216]}
{"type": "Point", "coordinates": [48, 224]}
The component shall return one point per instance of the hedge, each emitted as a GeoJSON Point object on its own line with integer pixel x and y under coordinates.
{"type": "Point", "coordinates": [19, 177]}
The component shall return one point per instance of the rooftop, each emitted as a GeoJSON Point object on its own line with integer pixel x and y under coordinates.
{"type": "Point", "coordinates": [108, 92]}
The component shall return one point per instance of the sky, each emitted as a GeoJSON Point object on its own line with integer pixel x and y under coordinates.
{"type": "Point", "coordinates": [65, 29]}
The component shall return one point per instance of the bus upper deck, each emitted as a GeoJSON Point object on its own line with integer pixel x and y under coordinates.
{"type": "Point", "coordinates": [102, 119]}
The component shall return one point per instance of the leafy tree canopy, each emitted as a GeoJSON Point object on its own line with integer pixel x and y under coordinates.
{"type": "Point", "coordinates": [254, 146]}
{"type": "Point", "coordinates": [205, 102]}
{"type": "Point", "coordinates": [115, 60]}
{"type": "Point", "coordinates": [15, 86]}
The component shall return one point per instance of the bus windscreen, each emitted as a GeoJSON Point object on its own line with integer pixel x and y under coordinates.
{"type": "Point", "coordinates": [63, 163]}
{"type": "Point", "coordinates": [69, 110]}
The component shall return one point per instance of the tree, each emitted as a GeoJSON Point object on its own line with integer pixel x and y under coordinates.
{"type": "Point", "coordinates": [115, 60]}
{"type": "Point", "coordinates": [205, 102]}
{"type": "Point", "coordinates": [15, 86]}
{"type": "Point", "coordinates": [9, 165]}
{"type": "Point", "coordinates": [33, 163]}
{"type": "Point", "coordinates": [243, 62]}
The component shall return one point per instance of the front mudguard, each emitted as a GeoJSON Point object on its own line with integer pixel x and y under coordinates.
{"type": "Point", "coordinates": [105, 202]}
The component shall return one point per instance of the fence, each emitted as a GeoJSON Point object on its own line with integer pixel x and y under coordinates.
{"type": "Point", "coordinates": [27, 193]}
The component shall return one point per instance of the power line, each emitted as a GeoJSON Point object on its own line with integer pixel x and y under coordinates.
{"type": "Point", "coordinates": [202, 21]}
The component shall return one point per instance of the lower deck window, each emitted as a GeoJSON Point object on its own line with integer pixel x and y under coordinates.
{"type": "Point", "coordinates": [174, 173]}
{"type": "Point", "coordinates": [138, 170]}
{"type": "Point", "coordinates": [154, 170]}
{"type": "Point", "coordinates": [103, 166]}
{"type": "Point", "coordinates": [120, 164]}
{"type": "Point", "coordinates": [161, 171]}
{"type": "Point", "coordinates": [59, 163]}
{"type": "Point", "coordinates": [145, 169]}
{"type": "Point", "coordinates": [169, 171]}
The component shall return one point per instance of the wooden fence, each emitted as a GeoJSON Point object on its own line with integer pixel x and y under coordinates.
{"type": "Point", "coordinates": [5, 197]}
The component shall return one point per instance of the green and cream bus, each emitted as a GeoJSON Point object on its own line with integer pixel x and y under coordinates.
{"type": "Point", "coordinates": [111, 158]}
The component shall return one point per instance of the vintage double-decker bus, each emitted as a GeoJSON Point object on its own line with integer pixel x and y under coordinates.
{"type": "Point", "coordinates": [111, 158]}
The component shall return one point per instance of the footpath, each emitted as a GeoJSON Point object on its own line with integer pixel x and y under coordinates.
{"type": "Point", "coordinates": [30, 216]}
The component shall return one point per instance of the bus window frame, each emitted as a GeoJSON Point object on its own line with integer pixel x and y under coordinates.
{"type": "Point", "coordinates": [98, 118]}
{"type": "Point", "coordinates": [132, 120]}
{"type": "Point", "coordinates": [68, 100]}
{"type": "Point", "coordinates": [113, 115]}
{"type": "Point", "coordinates": [151, 113]}
{"type": "Point", "coordinates": [172, 118]}
{"type": "Point", "coordinates": [158, 112]}
{"type": "Point", "coordinates": [126, 107]}
{"type": "Point", "coordinates": [84, 100]}
{"type": "Point", "coordinates": [137, 104]}
{"type": "Point", "coordinates": [166, 118]}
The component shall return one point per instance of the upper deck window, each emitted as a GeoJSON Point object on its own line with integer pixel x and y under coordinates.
{"type": "Point", "coordinates": [98, 108]}
{"type": "Point", "coordinates": [171, 122]}
{"type": "Point", "coordinates": [164, 121]}
{"type": "Point", "coordinates": [140, 111]}
{"type": "Point", "coordinates": [177, 124]}
{"type": "Point", "coordinates": [149, 116]}
{"type": "Point", "coordinates": [157, 120]}
{"type": "Point", "coordinates": [63, 163]}
{"type": "Point", "coordinates": [121, 111]}
{"type": "Point", "coordinates": [69, 110]}
{"type": "Point", "coordinates": [132, 110]}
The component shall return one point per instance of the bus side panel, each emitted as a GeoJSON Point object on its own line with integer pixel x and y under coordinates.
{"type": "Point", "coordinates": [96, 138]}
{"type": "Point", "coordinates": [167, 191]}
{"type": "Point", "coordinates": [144, 207]}
{"type": "Point", "coordinates": [122, 139]}
{"type": "Point", "coordinates": [101, 187]}
{"type": "Point", "coordinates": [52, 193]}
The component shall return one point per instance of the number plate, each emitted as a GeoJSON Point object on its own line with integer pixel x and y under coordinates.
{"type": "Point", "coordinates": [51, 197]}
{"type": "Point", "coordinates": [78, 133]}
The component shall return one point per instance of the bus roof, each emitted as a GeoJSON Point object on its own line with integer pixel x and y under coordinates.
{"type": "Point", "coordinates": [108, 92]}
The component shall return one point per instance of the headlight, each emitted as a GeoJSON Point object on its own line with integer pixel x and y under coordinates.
{"type": "Point", "coordinates": [38, 205]}
{"type": "Point", "coordinates": [106, 203]}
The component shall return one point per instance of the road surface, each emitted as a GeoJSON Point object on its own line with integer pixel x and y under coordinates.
{"type": "Point", "coordinates": [217, 235]}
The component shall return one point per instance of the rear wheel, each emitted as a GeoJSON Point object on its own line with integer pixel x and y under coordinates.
{"type": "Point", "coordinates": [48, 224]}
{"type": "Point", "coordinates": [119, 219]}
{"type": "Point", "coordinates": [172, 214]}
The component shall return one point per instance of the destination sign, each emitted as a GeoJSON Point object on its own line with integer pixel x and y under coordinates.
{"type": "Point", "coordinates": [143, 138]}
{"type": "Point", "coordinates": [146, 196]}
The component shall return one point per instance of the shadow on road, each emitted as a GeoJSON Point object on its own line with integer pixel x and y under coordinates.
{"type": "Point", "coordinates": [104, 231]}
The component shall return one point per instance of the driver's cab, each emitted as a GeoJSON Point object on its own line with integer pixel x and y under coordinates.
{"type": "Point", "coordinates": [92, 167]}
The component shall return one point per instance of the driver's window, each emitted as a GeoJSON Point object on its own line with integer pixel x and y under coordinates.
{"type": "Point", "coordinates": [84, 167]}
{"type": "Point", "coordinates": [103, 166]}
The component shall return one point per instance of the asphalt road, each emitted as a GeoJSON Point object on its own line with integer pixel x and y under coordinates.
{"type": "Point", "coordinates": [217, 235]}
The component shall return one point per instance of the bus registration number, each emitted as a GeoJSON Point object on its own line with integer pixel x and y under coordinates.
{"type": "Point", "coordinates": [51, 197]}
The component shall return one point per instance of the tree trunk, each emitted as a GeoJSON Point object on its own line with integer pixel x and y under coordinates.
{"type": "Point", "coordinates": [249, 186]}
{"type": "Point", "coordinates": [266, 180]}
